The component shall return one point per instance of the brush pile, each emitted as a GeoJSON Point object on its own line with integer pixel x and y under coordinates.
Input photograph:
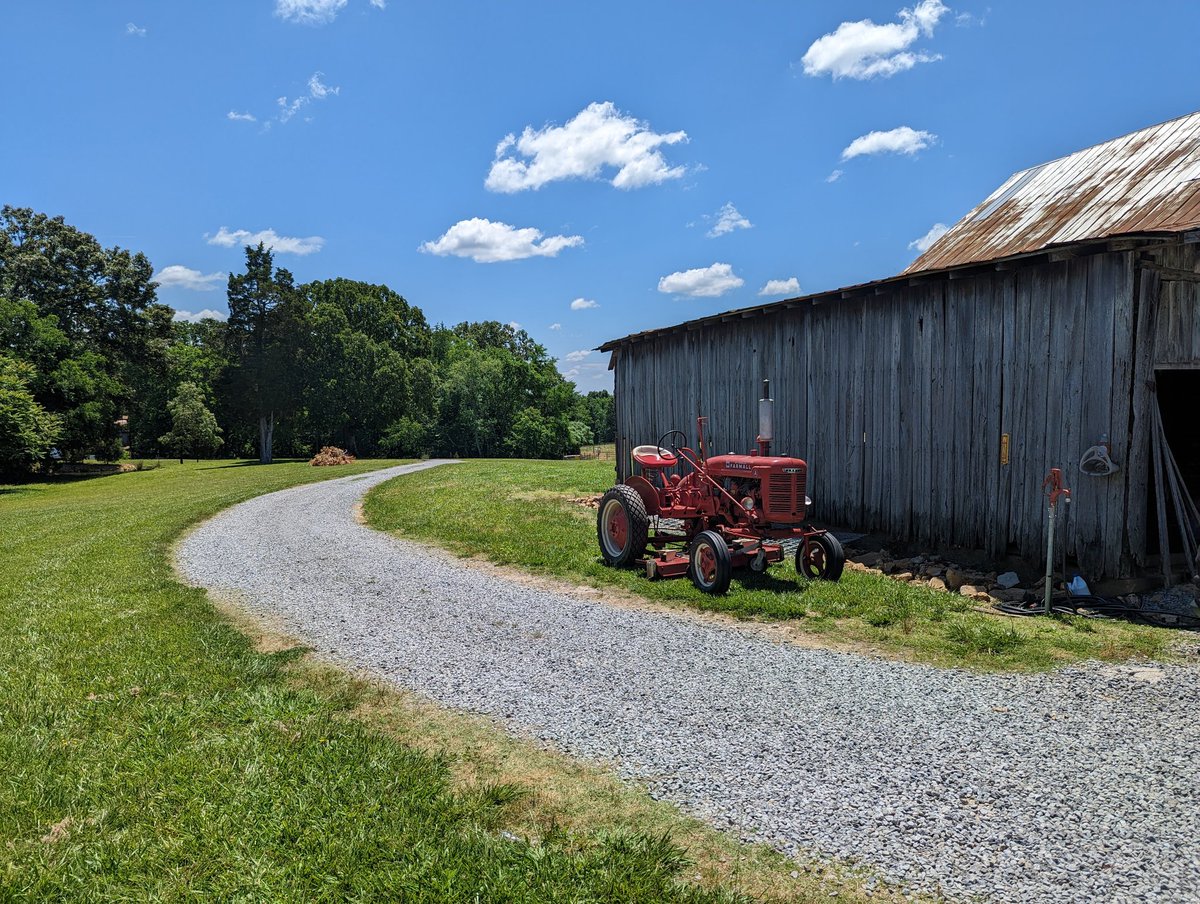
{"type": "Point", "coordinates": [331, 455]}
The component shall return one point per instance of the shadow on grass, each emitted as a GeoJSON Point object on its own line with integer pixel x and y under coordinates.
{"type": "Point", "coordinates": [18, 490]}
{"type": "Point", "coordinates": [249, 463]}
{"type": "Point", "coordinates": [753, 580]}
{"type": "Point", "coordinates": [50, 480]}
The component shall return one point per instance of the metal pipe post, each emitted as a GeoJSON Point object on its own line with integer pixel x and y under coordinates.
{"type": "Point", "coordinates": [1053, 489]}
{"type": "Point", "coordinates": [1050, 557]}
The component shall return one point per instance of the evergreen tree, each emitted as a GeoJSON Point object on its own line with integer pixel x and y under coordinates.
{"type": "Point", "coordinates": [264, 339]}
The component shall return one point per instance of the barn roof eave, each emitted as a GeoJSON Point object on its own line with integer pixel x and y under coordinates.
{"type": "Point", "coordinates": [1110, 243]}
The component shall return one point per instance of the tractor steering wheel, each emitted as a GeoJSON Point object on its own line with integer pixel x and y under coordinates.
{"type": "Point", "coordinates": [674, 447]}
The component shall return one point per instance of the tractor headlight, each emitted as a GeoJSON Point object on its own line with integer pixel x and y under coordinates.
{"type": "Point", "coordinates": [807, 501]}
{"type": "Point", "coordinates": [748, 503]}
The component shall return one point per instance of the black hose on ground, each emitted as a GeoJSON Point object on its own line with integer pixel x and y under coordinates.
{"type": "Point", "coordinates": [1104, 607]}
{"type": "Point", "coordinates": [1090, 606]}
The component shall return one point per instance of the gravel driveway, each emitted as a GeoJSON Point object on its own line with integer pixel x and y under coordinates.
{"type": "Point", "coordinates": [1075, 786]}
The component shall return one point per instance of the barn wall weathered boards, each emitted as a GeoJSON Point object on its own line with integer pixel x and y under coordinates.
{"type": "Point", "coordinates": [930, 406]}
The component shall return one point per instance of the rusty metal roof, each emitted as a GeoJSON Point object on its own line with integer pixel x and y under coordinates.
{"type": "Point", "coordinates": [1142, 183]}
{"type": "Point", "coordinates": [1137, 187]}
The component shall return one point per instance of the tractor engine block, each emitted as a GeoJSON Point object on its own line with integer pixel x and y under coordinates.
{"type": "Point", "coordinates": [775, 483]}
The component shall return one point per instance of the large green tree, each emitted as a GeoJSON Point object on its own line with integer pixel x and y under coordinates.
{"type": "Point", "coordinates": [27, 430]}
{"type": "Point", "coordinates": [264, 338]}
{"type": "Point", "coordinates": [493, 375]}
{"type": "Point", "coordinates": [85, 317]}
{"type": "Point", "coordinates": [195, 353]}
{"type": "Point", "coordinates": [533, 435]}
{"type": "Point", "coordinates": [72, 379]}
{"type": "Point", "coordinates": [599, 412]}
{"type": "Point", "coordinates": [363, 342]}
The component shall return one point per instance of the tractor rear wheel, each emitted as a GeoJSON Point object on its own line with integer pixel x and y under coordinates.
{"type": "Point", "coordinates": [820, 558]}
{"type": "Point", "coordinates": [621, 526]}
{"type": "Point", "coordinates": [709, 565]}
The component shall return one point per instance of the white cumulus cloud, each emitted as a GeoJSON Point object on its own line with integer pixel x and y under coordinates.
{"type": "Point", "coordinates": [486, 242]}
{"type": "Point", "coordinates": [309, 12]}
{"type": "Point", "coordinates": [599, 138]}
{"type": "Point", "coordinates": [577, 356]}
{"type": "Point", "coordinates": [583, 304]}
{"type": "Point", "coordinates": [556, 326]}
{"type": "Point", "coordinates": [282, 244]}
{"type": "Point", "coordinates": [864, 50]}
{"type": "Point", "coordinates": [901, 140]}
{"type": "Point", "coordinates": [135, 31]}
{"type": "Point", "coordinates": [703, 282]}
{"type": "Point", "coordinates": [834, 176]}
{"type": "Point", "coordinates": [925, 242]}
{"type": "Point", "coordinates": [789, 286]}
{"type": "Point", "coordinates": [177, 276]}
{"type": "Point", "coordinates": [241, 117]}
{"type": "Point", "coordinates": [728, 219]}
{"type": "Point", "coordinates": [206, 314]}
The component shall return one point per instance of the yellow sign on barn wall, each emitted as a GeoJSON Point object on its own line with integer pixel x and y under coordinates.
{"type": "Point", "coordinates": [1004, 448]}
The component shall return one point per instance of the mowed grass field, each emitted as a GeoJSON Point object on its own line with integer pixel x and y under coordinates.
{"type": "Point", "coordinates": [526, 514]}
{"type": "Point", "coordinates": [149, 751]}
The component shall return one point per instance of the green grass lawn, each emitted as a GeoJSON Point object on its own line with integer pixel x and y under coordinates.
{"type": "Point", "coordinates": [148, 752]}
{"type": "Point", "coordinates": [523, 513]}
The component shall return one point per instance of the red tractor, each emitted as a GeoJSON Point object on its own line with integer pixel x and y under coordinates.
{"type": "Point", "coordinates": [733, 511]}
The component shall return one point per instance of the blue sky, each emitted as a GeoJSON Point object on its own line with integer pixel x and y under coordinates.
{"type": "Point", "coordinates": [666, 160]}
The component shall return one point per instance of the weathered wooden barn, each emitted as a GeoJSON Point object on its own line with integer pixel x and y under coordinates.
{"type": "Point", "coordinates": [1057, 313]}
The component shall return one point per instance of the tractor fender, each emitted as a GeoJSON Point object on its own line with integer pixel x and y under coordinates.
{"type": "Point", "coordinates": [646, 490]}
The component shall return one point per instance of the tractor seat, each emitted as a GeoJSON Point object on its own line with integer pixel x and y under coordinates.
{"type": "Point", "coordinates": [653, 457]}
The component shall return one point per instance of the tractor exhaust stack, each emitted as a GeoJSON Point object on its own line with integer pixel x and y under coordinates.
{"type": "Point", "coordinates": [766, 419]}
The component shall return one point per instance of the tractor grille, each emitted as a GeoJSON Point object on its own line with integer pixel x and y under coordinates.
{"type": "Point", "coordinates": [785, 497]}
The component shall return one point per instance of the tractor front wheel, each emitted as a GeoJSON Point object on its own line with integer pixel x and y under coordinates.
{"type": "Point", "coordinates": [709, 565]}
{"type": "Point", "coordinates": [621, 526]}
{"type": "Point", "coordinates": [820, 558]}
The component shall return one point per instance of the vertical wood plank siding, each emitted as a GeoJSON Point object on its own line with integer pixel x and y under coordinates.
{"type": "Point", "coordinates": [898, 400]}
{"type": "Point", "coordinates": [1178, 323]}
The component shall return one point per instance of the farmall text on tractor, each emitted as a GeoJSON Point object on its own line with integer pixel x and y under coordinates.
{"type": "Point", "coordinates": [731, 511]}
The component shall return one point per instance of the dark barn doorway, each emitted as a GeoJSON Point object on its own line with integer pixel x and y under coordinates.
{"type": "Point", "coordinates": [1178, 393]}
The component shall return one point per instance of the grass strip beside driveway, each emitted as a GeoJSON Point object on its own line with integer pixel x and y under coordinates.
{"type": "Point", "coordinates": [527, 514]}
{"type": "Point", "coordinates": [148, 751]}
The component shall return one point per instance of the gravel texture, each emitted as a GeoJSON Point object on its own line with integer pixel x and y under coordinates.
{"type": "Point", "coordinates": [1079, 785]}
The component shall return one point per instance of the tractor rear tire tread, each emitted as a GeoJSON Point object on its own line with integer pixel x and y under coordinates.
{"type": "Point", "coordinates": [638, 526]}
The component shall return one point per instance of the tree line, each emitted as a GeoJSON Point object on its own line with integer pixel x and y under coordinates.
{"type": "Point", "coordinates": [93, 365]}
